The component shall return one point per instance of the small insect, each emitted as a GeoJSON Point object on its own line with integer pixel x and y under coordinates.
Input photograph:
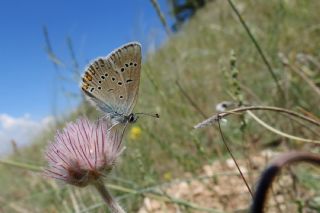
{"type": "Point", "coordinates": [111, 83]}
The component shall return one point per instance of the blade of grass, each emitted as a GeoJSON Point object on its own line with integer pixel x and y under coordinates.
{"type": "Point", "coordinates": [156, 6]}
{"type": "Point", "coordinates": [21, 165]}
{"type": "Point", "coordinates": [259, 49]}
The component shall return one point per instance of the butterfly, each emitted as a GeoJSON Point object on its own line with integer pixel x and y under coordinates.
{"type": "Point", "coordinates": [111, 83]}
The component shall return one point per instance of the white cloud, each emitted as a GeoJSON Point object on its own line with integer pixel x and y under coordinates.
{"type": "Point", "coordinates": [20, 129]}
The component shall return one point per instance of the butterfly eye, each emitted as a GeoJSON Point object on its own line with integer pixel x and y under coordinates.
{"type": "Point", "coordinates": [132, 118]}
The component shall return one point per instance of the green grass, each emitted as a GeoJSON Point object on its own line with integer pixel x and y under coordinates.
{"type": "Point", "coordinates": [198, 59]}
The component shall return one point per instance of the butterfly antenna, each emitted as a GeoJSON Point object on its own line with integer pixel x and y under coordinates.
{"type": "Point", "coordinates": [156, 115]}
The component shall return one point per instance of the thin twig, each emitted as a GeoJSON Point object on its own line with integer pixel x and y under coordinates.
{"type": "Point", "coordinates": [259, 49]}
{"type": "Point", "coordinates": [300, 73]}
{"type": "Point", "coordinates": [305, 126]}
{"type": "Point", "coordinates": [197, 108]}
{"type": "Point", "coordinates": [191, 101]}
{"type": "Point", "coordinates": [276, 131]}
{"type": "Point", "coordinates": [234, 160]}
{"type": "Point", "coordinates": [215, 118]}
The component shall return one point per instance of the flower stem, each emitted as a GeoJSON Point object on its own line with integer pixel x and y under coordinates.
{"type": "Point", "coordinates": [107, 197]}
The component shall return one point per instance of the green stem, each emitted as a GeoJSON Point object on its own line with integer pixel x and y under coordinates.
{"type": "Point", "coordinates": [21, 165]}
{"type": "Point", "coordinates": [107, 197]}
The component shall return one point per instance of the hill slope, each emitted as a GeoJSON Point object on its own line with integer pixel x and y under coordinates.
{"type": "Point", "coordinates": [192, 65]}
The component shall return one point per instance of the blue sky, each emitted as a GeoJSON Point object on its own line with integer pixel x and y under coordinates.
{"type": "Point", "coordinates": [30, 86]}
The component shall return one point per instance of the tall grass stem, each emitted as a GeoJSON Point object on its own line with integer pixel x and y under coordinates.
{"type": "Point", "coordinates": [259, 49]}
{"type": "Point", "coordinates": [156, 6]}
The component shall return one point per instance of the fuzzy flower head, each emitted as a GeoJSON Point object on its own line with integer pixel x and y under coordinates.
{"type": "Point", "coordinates": [83, 152]}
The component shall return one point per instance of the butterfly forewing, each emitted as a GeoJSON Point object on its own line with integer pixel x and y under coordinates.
{"type": "Point", "coordinates": [112, 83]}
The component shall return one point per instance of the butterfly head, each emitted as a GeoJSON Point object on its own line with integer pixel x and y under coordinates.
{"type": "Point", "coordinates": [132, 118]}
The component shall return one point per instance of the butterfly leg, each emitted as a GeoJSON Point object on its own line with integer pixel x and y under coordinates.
{"type": "Point", "coordinates": [113, 125]}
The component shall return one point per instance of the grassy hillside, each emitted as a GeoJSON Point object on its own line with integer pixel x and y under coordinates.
{"type": "Point", "coordinates": [194, 64]}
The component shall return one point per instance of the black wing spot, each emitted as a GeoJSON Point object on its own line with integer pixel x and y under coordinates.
{"type": "Point", "coordinates": [122, 69]}
{"type": "Point", "coordinates": [113, 78]}
{"type": "Point", "coordinates": [91, 90]}
{"type": "Point", "coordinates": [131, 63]}
{"type": "Point", "coordinates": [99, 82]}
{"type": "Point", "coordinates": [99, 88]}
{"type": "Point", "coordinates": [102, 77]}
{"type": "Point", "coordinates": [106, 74]}
{"type": "Point", "coordinates": [120, 83]}
{"type": "Point", "coordinates": [129, 80]}
{"type": "Point", "coordinates": [127, 65]}
{"type": "Point", "coordinates": [135, 64]}
{"type": "Point", "coordinates": [121, 96]}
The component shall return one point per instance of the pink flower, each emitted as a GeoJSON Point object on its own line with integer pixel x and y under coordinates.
{"type": "Point", "coordinates": [83, 152]}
